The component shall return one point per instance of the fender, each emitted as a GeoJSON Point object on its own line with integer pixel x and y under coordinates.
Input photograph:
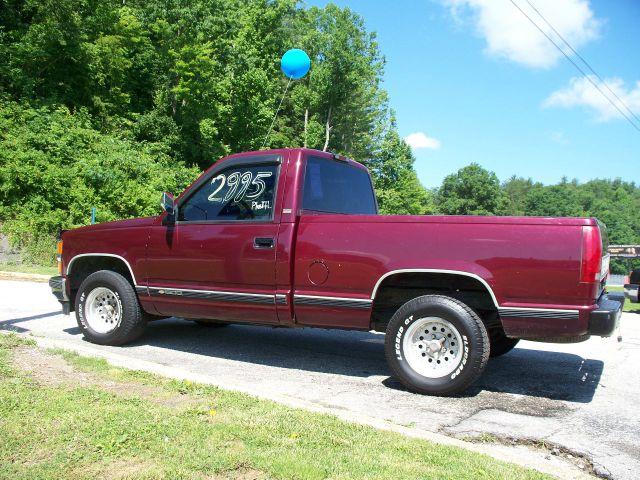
{"type": "Point", "coordinates": [133, 277]}
{"type": "Point", "coordinates": [435, 270]}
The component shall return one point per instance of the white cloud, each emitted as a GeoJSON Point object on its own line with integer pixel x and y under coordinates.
{"type": "Point", "coordinates": [420, 140]}
{"type": "Point", "coordinates": [581, 93]}
{"type": "Point", "coordinates": [509, 34]}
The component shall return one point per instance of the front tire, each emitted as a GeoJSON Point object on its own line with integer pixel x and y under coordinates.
{"type": "Point", "coordinates": [436, 345]}
{"type": "Point", "coordinates": [107, 309]}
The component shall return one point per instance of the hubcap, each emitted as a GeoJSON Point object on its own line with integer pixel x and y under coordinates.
{"type": "Point", "coordinates": [432, 347]}
{"type": "Point", "coordinates": [103, 311]}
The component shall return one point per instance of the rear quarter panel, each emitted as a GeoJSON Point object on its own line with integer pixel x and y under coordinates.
{"type": "Point", "coordinates": [525, 262]}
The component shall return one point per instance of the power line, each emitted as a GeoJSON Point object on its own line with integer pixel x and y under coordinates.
{"type": "Point", "coordinates": [576, 66]}
{"type": "Point", "coordinates": [583, 61]}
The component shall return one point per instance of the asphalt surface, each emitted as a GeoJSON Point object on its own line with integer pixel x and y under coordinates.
{"type": "Point", "coordinates": [582, 397]}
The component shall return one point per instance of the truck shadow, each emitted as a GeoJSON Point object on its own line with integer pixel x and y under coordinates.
{"type": "Point", "coordinates": [10, 325]}
{"type": "Point", "coordinates": [533, 373]}
{"type": "Point", "coordinates": [552, 375]}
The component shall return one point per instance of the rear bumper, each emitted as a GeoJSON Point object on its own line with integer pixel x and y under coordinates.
{"type": "Point", "coordinates": [604, 320]}
{"type": "Point", "coordinates": [59, 290]}
{"type": "Point", "coordinates": [631, 292]}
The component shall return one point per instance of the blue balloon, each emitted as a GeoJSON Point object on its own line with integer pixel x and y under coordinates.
{"type": "Point", "coordinates": [295, 63]}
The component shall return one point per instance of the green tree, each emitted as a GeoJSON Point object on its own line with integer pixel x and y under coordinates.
{"type": "Point", "coordinates": [339, 106]}
{"type": "Point", "coordinates": [54, 167]}
{"type": "Point", "coordinates": [471, 191]}
{"type": "Point", "coordinates": [516, 190]}
{"type": "Point", "coordinates": [561, 200]}
{"type": "Point", "coordinates": [107, 95]}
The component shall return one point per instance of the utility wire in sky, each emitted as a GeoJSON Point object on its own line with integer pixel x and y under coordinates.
{"type": "Point", "coordinates": [576, 65]}
{"type": "Point", "coordinates": [583, 60]}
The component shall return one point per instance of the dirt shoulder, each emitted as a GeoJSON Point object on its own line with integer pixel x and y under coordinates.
{"type": "Point", "coordinates": [28, 277]}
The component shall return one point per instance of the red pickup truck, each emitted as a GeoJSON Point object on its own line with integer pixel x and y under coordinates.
{"type": "Point", "coordinates": [292, 238]}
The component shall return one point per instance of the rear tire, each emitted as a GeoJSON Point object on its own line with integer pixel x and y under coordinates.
{"type": "Point", "coordinates": [107, 309]}
{"type": "Point", "coordinates": [436, 345]}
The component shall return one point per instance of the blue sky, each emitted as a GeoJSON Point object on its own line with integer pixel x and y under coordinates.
{"type": "Point", "coordinates": [481, 84]}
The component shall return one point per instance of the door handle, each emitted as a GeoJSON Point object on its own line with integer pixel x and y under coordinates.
{"type": "Point", "coordinates": [263, 242]}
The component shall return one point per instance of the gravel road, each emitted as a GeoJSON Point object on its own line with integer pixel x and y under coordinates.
{"type": "Point", "coordinates": [582, 397]}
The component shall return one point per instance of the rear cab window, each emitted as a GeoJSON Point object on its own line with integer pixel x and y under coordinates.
{"type": "Point", "coordinates": [335, 186]}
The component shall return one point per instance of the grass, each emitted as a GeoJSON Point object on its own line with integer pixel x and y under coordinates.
{"type": "Point", "coordinates": [628, 306]}
{"type": "Point", "coordinates": [85, 430]}
{"type": "Point", "coordinates": [25, 268]}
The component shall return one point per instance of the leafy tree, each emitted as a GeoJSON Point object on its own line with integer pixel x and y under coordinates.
{"type": "Point", "coordinates": [347, 99]}
{"type": "Point", "coordinates": [128, 89]}
{"type": "Point", "coordinates": [516, 190]}
{"type": "Point", "coordinates": [554, 201]}
{"type": "Point", "coordinates": [471, 191]}
{"type": "Point", "coordinates": [54, 167]}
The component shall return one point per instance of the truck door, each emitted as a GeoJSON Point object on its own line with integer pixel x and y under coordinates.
{"type": "Point", "coordinates": [217, 260]}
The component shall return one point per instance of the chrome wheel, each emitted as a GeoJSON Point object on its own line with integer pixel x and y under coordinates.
{"type": "Point", "coordinates": [103, 310]}
{"type": "Point", "coordinates": [432, 347]}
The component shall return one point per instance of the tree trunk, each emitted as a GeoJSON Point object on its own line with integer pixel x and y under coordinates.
{"type": "Point", "coordinates": [174, 105]}
{"type": "Point", "coordinates": [306, 124]}
{"type": "Point", "coordinates": [327, 131]}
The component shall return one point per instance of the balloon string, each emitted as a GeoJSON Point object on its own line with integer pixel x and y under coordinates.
{"type": "Point", "coordinates": [274, 117]}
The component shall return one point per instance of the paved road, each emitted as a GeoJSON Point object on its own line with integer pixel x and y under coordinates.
{"type": "Point", "coordinates": [583, 397]}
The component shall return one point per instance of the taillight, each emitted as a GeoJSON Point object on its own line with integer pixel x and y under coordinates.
{"type": "Point", "coordinates": [59, 256]}
{"type": "Point", "coordinates": [591, 264]}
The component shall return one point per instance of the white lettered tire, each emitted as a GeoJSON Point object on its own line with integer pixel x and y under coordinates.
{"type": "Point", "coordinates": [107, 309]}
{"type": "Point", "coordinates": [436, 345]}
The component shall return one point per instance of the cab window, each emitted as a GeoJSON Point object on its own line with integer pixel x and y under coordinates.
{"type": "Point", "coordinates": [234, 194]}
{"type": "Point", "coordinates": [333, 186]}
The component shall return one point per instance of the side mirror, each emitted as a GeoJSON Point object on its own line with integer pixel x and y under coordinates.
{"type": "Point", "coordinates": [167, 203]}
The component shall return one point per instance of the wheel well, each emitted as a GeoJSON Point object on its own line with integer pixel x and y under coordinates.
{"type": "Point", "coordinates": [399, 288]}
{"type": "Point", "coordinates": [82, 267]}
